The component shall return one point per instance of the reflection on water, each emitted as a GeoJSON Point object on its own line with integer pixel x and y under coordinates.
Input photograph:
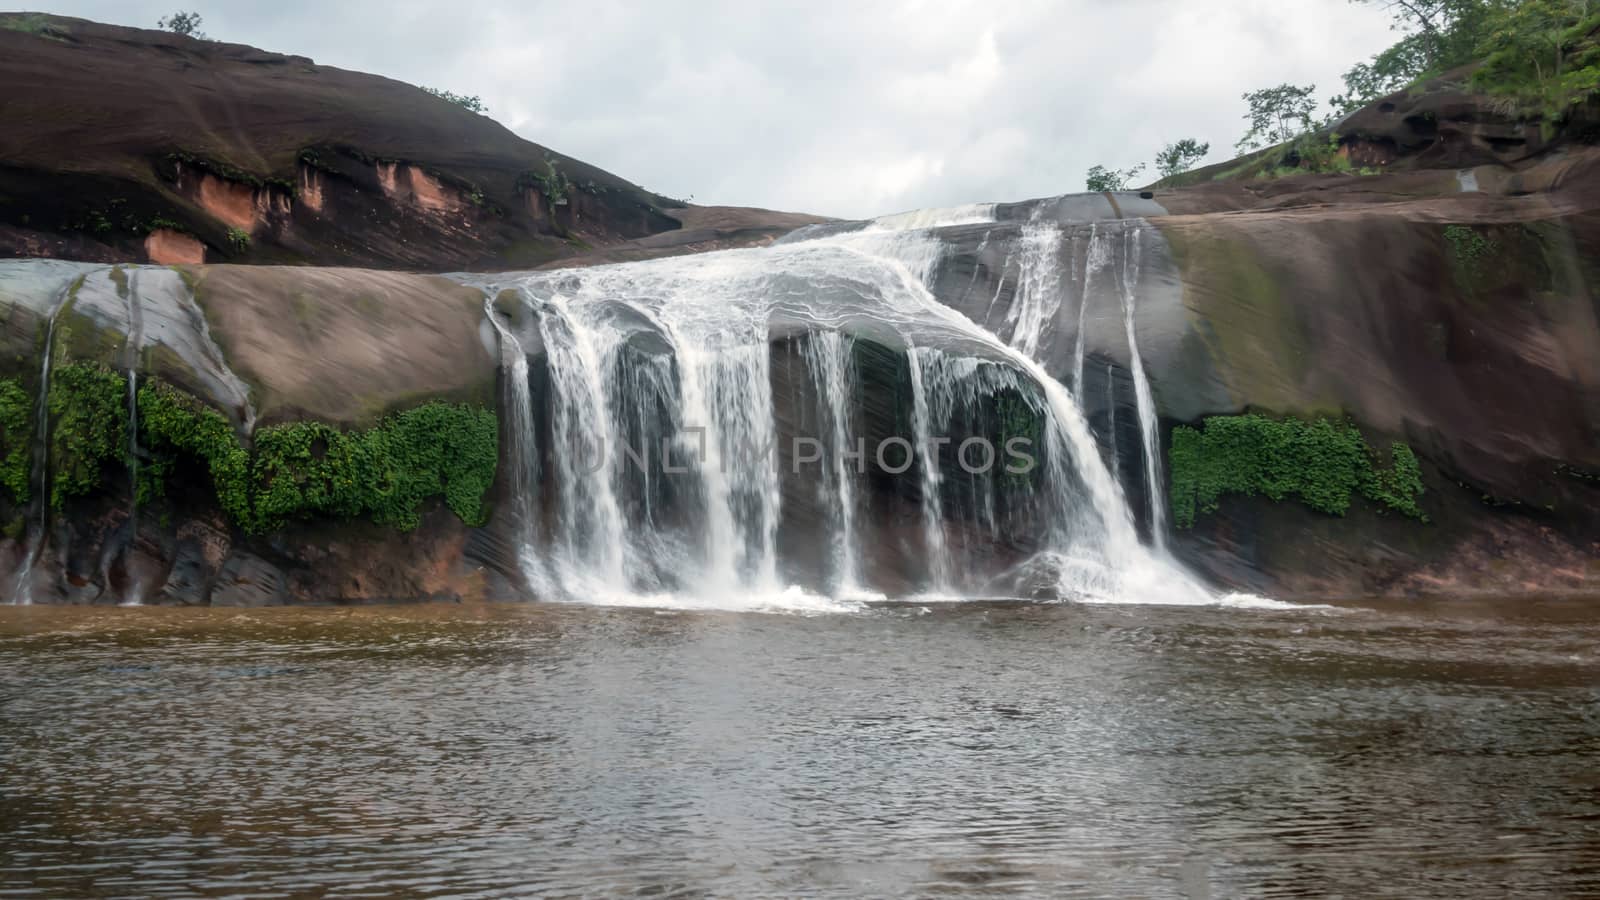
{"type": "Point", "coordinates": [1004, 750]}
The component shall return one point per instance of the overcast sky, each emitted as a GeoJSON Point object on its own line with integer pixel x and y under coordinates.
{"type": "Point", "coordinates": [847, 108]}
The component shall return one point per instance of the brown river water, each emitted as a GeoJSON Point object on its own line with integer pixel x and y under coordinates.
{"type": "Point", "coordinates": [486, 751]}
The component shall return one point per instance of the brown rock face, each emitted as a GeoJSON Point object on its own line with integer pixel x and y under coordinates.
{"type": "Point", "coordinates": [316, 164]}
{"type": "Point", "coordinates": [167, 247]}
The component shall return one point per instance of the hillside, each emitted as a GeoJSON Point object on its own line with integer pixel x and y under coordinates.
{"type": "Point", "coordinates": [130, 144]}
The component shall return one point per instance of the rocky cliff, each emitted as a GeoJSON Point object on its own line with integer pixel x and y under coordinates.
{"type": "Point", "coordinates": [123, 144]}
{"type": "Point", "coordinates": [1379, 378]}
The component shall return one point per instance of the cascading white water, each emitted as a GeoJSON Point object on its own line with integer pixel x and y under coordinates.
{"type": "Point", "coordinates": [593, 542]}
{"type": "Point", "coordinates": [936, 217]}
{"type": "Point", "coordinates": [1096, 257]}
{"type": "Point", "coordinates": [520, 454]}
{"type": "Point", "coordinates": [1111, 422]}
{"type": "Point", "coordinates": [922, 427]}
{"type": "Point", "coordinates": [827, 356]}
{"type": "Point", "coordinates": [1039, 291]}
{"type": "Point", "coordinates": [1144, 399]}
{"type": "Point", "coordinates": [669, 346]}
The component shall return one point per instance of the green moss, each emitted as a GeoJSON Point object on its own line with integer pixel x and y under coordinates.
{"type": "Point", "coordinates": [16, 433]}
{"type": "Point", "coordinates": [1017, 418]}
{"type": "Point", "coordinates": [36, 24]}
{"type": "Point", "coordinates": [1321, 463]}
{"type": "Point", "coordinates": [120, 279]}
{"type": "Point", "coordinates": [1246, 322]}
{"type": "Point", "coordinates": [79, 338]}
{"type": "Point", "coordinates": [89, 427]}
{"type": "Point", "coordinates": [1466, 245]}
{"type": "Point", "coordinates": [308, 469]}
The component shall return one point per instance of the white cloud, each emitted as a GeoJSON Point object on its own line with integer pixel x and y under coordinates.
{"type": "Point", "coordinates": [843, 107]}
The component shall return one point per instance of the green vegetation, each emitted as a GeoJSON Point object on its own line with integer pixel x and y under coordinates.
{"type": "Point", "coordinates": [184, 23]}
{"type": "Point", "coordinates": [1180, 156]}
{"type": "Point", "coordinates": [1543, 56]}
{"type": "Point", "coordinates": [1322, 463]}
{"type": "Point", "coordinates": [298, 470]}
{"type": "Point", "coordinates": [238, 239]}
{"type": "Point", "coordinates": [1277, 115]}
{"type": "Point", "coordinates": [1466, 245]}
{"type": "Point", "coordinates": [385, 472]}
{"type": "Point", "coordinates": [1017, 418]}
{"type": "Point", "coordinates": [35, 24]}
{"type": "Point", "coordinates": [464, 101]}
{"type": "Point", "coordinates": [1101, 178]}
{"type": "Point", "coordinates": [89, 426]}
{"type": "Point", "coordinates": [552, 182]}
{"type": "Point", "coordinates": [173, 423]}
{"type": "Point", "coordinates": [16, 431]}
{"type": "Point", "coordinates": [228, 172]}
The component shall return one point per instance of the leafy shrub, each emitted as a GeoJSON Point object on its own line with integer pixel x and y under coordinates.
{"type": "Point", "coordinates": [1466, 245]}
{"type": "Point", "coordinates": [89, 426]}
{"type": "Point", "coordinates": [464, 101]}
{"type": "Point", "coordinates": [1101, 179]}
{"type": "Point", "coordinates": [298, 470]}
{"type": "Point", "coordinates": [1321, 463]}
{"type": "Point", "coordinates": [184, 23]}
{"type": "Point", "coordinates": [16, 431]}
{"type": "Point", "coordinates": [386, 472]}
{"type": "Point", "coordinates": [172, 422]}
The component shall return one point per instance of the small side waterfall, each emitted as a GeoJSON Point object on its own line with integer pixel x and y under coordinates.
{"type": "Point", "coordinates": [1039, 291]}
{"type": "Point", "coordinates": [827, 356]}
{"type": "Point", "coordinates": [520, 451]}
{"type": "Point", "coordinates": [1096, 258]}
{"type": "Point", "coordinates": [131, 350]}
{"type": "Point", "coordinates": [22, 590]}
{"type": "Point", "coordinates": [1132, 240]}
{"type": "Point", "coordinates": [231, 384]}
{"type": "Point", "coordinates": [922, 427]}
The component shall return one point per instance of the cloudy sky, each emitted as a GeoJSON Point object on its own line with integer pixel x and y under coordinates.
{"type": "Point", "coordinates": [846, 108]}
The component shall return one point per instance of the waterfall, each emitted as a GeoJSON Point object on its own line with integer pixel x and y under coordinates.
{"type": "Point", "coordinates": [22, 591]}
{"type": "Point", "coordinates": [131, 363]}
{"type": "Point", "coordinates": [1096, 257]}
{"type": "Point", "coordinates": [230, 383]}
{"type": "Point", "coordinates": [520, 452]}
{"type": "Point", "coordinates": [584, 440]}
{"type": "Point", "coordinates": [827, 357]}
{"type": "Point", "coordinates": [668, 363]}
{"type": "Point", "coordinates": [1038, 287]}
{"type": "Point", "coordinates": [1151, 440]}
{"type": "Point", "coordinates": [922, 427]}
{"type": "Point", "coordinates": [1111, 422]}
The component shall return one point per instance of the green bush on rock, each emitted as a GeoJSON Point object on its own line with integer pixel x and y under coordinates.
{"type": "Point", "coordinates": [298, 470]}
{"type": "Point", "coordinates": [89, 427]}
{"type": "Point", "coordinates": [386, 472]}
{"type": "Point", "coordinates": [1320, 462]}
{"type": "Point", "coordinates": [173, 422]}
